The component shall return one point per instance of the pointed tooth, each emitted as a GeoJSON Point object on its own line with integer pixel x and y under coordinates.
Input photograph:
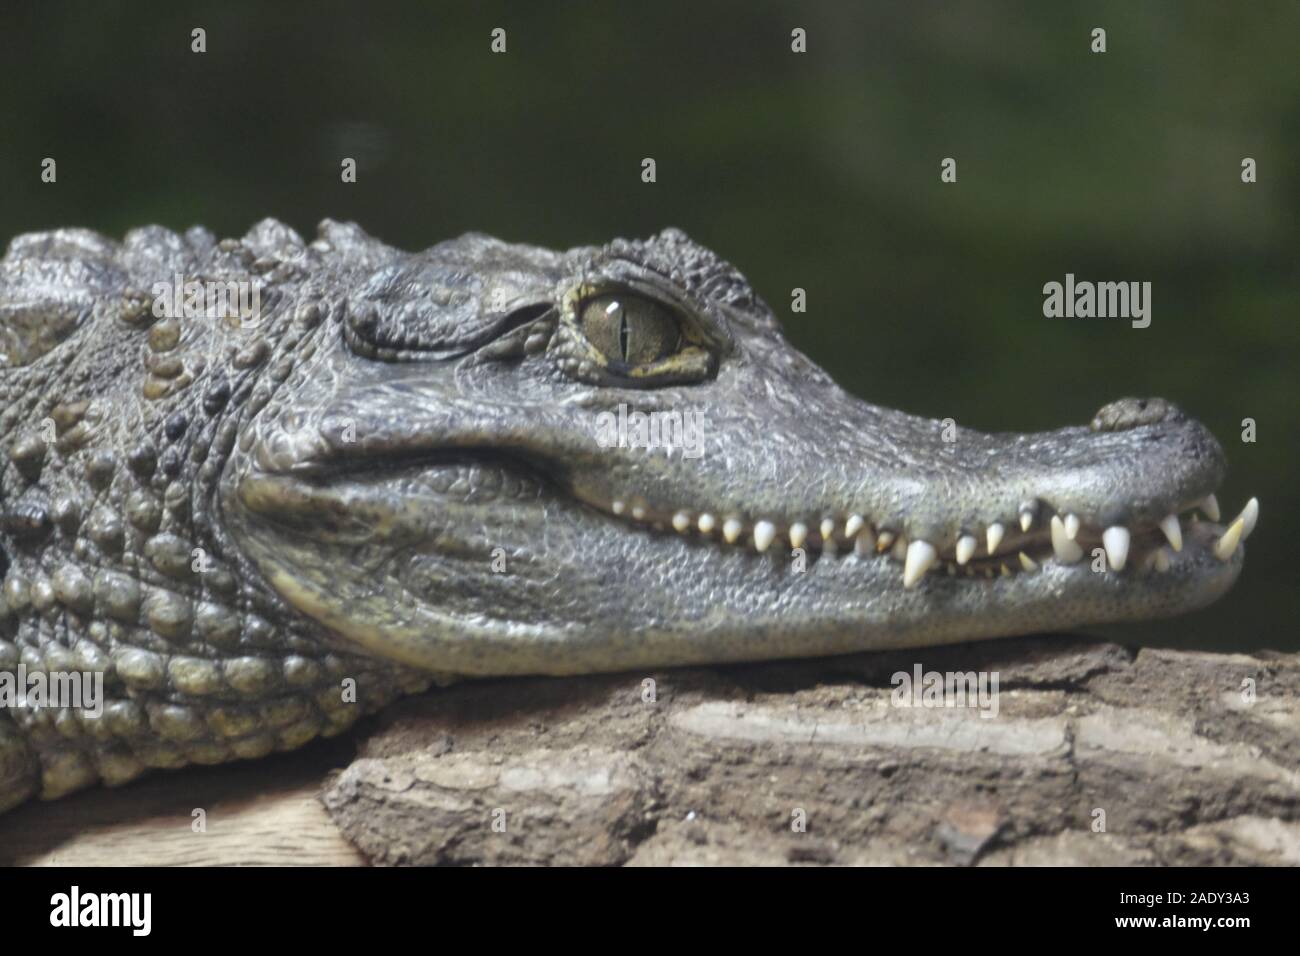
{"type": "Point", "coordinates": [885, 541]}
{"type": "Point", "coordinates": [798, 534]}
{"type": "Point", "coordinates": [707, 523]}
{"type": "Point", "coordinates": [1006, 571]}
{"type": "Point", "coordinates": [1027, 511]}
{"type": "Point", "coordinates": [638, 512]}
{"type": "Point", "coordinates": [1225, 546]}
{"type": "Point", "coordinates": [1072, 526]}
{"type": "Point", "coordinates": [965, 548]}
{"type": "Point", "coordinates": [682, 522]}
{"type": "Point", "coordinates": [864, 545]}
{"type": "Point", "coordinates": [899, 551]}
{"type": "Point", "coordinates": [731, 529]}
{"type": "Point", "coordinates": [1249, 514]}
{"type": "Point", "coordinates": [994, 534]}
{"type": "Point", "coordinates": [764, 532]}
{"type": "Point", "coordinates": [1028, 563]}
{"type": "Point", "coordinates": [1161, 560]}
{"type": "Point", "coordinates": [618, 507]}
{"type": "Point", "coordinates": [1173, 531]}
{"type": "Point", "coordinates": [828, 529]}
{"type": "Point", "coordinates": [1210, 505]}
{"type": "Point", "coordinates": [1116, 541]}
{"type": "Point", "coordinates": [855, 524]}
{"type": "Point", "coordinates": [1066, 551]}
{"type": "Point", "coordinates": [921, 556]}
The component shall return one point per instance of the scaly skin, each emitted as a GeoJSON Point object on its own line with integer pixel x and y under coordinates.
{"type": "Point", "coordinates": [396, 477]}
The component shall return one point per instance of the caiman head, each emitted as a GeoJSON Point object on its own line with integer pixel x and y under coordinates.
{"type": "Point", "coordinates": [500, 459]}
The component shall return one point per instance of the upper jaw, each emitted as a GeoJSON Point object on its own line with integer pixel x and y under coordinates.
{"type": "Point", "coordinates": [1127, 488]}
{"type": "Point", "coordinates": [983, 504]}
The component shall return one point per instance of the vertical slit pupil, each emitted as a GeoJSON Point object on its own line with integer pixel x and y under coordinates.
{"type": "Point", "coordinates": [624, 333]}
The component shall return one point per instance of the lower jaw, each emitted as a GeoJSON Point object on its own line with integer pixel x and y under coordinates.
{"type": "Point", "coordinates": [986, 596]}
{"type": "Point", "coordinates": [762, 607]}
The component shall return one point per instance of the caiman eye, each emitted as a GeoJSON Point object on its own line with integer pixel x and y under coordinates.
{"type": "Point", "coordinates": [630, 329]}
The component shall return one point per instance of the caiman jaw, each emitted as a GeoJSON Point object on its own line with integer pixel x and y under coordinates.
{"type": "Point", "coordinates": [998, 505]}
{"type": "Point", "coordinates": [1039, 538]}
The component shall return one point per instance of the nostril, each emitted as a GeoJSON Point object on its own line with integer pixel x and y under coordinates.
{"type": "Point", "coordinates": [1133, 412]}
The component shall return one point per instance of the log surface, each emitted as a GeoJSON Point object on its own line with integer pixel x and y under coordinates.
{"type": "Point", "coordinates": [264, 812]}
{"type": "Point", "coordinates": [1097, 755]}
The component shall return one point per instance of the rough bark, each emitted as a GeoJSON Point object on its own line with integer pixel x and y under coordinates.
{"type": "Point", "coordinates": [1187, 766]}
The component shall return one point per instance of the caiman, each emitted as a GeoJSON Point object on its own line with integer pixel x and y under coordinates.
{"type": "Point", "coordinates": [264, 486]}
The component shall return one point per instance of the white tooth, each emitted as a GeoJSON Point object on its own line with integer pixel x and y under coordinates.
{"type": "Point", "coordinates": [965, 548]}
{"type": "Point", "coordinates": [707, 523]}
{"type": "Point", "coordinates": [1026, 519]}
{"type": "Point", "coordinates": [1173, 531]}
{"type": "Point", "coordinates": [853, 526]}
{"type": "Point", "coordinates": [920, 558]}
{"type": "Point", "coordinates": [1028, 563]}
{"type": "Point", "coordinates": [798, 534]}
{"type": "Point", "coordinates": [1072, 526]}
{"type": "Point", "coordinates": [864, 545]}
{"type": "Point", "coordinates": [638, 512]}
{"type": "Point", "coordinates": [682, 521]}
{"type": "Point", "coordinates": [764, 532]}
{"type": "Point", "coordinates": [899, 551]}
{"type": "Point", "coordinates": [1210, 505]}
{"type": "Point", "coordinates": [618, 507]}
{"type": "Point", "coordinates": [995, 533]}
{"type": "Point", "coordinates": [1161, 560]}
{"type": "Point", "coordinates": [828, 529]}
{"type": "Point", "coordinates": [1225, 546]}
{"type": "Point", "coordinates": [1116, 541]}
{"type": "Point", "coordinates": [1249, 514]}
{"type": "Point", "coordinates": [884, 542]}
{"type": "Point", "coordinates": [1066, 551]}
{"type": "Point", "coordinates": [731, 529]}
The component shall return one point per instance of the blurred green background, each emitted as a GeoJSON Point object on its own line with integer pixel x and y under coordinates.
{"type": "Point", "coordinates": [818, 170]}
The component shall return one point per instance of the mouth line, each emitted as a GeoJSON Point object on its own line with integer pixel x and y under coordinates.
{"type": "Point", "coordinates": [1000, 549]}
{"type": "Point", "coordinates": [1041, 536]}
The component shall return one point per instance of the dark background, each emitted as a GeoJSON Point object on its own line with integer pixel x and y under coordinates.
{"type": "Point", "coordinates": [818, 170]}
